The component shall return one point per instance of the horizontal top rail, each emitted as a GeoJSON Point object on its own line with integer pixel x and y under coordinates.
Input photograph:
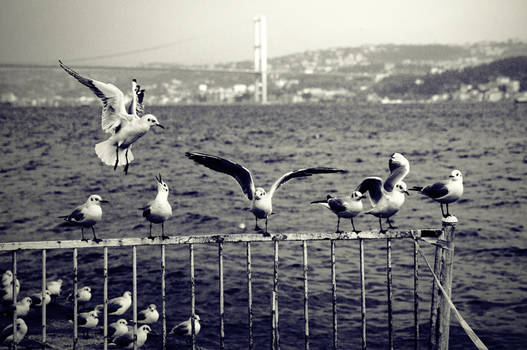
{"type": "Point", "coordinates": [220, 238]}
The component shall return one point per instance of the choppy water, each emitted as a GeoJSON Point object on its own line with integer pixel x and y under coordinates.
{"type": "Point", "coordinates": [48, 166]}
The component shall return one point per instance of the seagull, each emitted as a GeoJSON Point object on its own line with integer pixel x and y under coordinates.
{"type": "Point", "coordinates": [387, 197]}
{"type": "Point", "coordinates": [22, 307]}
{"type": "Point", "coordinates": [118, 306]}
{"type": "Point", "coordinates": [83, 294]}
{"type": "Point", "coordinates": [87, 215]}
{"type": "Point", "coordinates": [347, 207]}
{"type": "Point", "coordinates": [261, 200]}
{"type": "Point", "coordinates": [36, 299]}
{"type": "Point", "coordinates": [117, 328]}
{"type": "Point", "coordinates": [184, 329]}
{"type": "Point", "coordinates": [158, 210]}
{"type": "Point", "coordinates": [148, 315]}
{"type": "Point", "coordinates": [7, 292]}
{"type": "Point", "coordinates": [54, 287]}
{"type": "Point", "coordinates": [444, 192]}
{"type": "Point", "coordinates": [6, 336]}
{"type": "Point", "coordinates": [7, 277]}
{"type": "Point", "coordinates": [126, 341]}
{"type": "Point", "coordinates": [88, 320]}
{"type": "Point", "coordinates": [125, 127]}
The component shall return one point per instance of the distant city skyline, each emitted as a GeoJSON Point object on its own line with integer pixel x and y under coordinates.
{"type": "Point", "coordinates": [198, 32]}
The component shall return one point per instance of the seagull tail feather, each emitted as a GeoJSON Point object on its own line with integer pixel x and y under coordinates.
{"type": "Point", "coordinates": [106, 152]}
{"type": "Point", "coordinates": [416, 188]}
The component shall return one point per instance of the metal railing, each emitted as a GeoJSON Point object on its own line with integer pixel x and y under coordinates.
{"type": "Point", "coordinates": [440, 314]}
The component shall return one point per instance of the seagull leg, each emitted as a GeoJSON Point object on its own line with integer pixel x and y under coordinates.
{"type": "Point", "coordinates": [380, 224]}
{"type": "Point", "coordinates": [266, 234]}
{"type": "Point", "coordinates": [442, 211]}
{"type": "Point", "coordinates": [150, 234]}
{"type": "Point", "coordinates": [353, 225]}
{"type": "Point", "coordinates": [338, 225]}
{"type": "Point", "coordinates": [447, 213]}
{"type": "Point", "coordinates": [390, 223]}
{"type": "Point", "coordinates": [127, 164]}
{"type": "Point", "coordinates": [163, 236]}
{"type": "Point", "coordinates": [116, 157]}
{"type": "Point", "coordinates": [256, 227]}
{"type": "Point", "coordinates": [82, 234]}
{"type": "Point", "coordinates": [95, 239]}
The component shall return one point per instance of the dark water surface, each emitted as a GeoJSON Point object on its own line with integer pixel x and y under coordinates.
{"type": "Point", "coordinates": [48, 166]}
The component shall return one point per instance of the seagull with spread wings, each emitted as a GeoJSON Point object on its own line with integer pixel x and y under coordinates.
{"type": "Point", "coordinates": [126, 127]}
{"type": "Point", "coordinates": [444, 192]}
{"type": "Point", "coordinates": [387, 197]}
{"type": "Point", "coordinates": [261, 200]}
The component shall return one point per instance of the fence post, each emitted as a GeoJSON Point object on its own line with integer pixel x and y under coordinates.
{"type": "Point", "coordinates": [443, 326]}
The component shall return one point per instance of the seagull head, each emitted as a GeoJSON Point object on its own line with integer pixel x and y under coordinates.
{"type": "Point", "coordinates": [197, 317]}
{"type": "Point", "coordinates": [95, 199]}
{"type": "Point", "coordinates": [93, 314]}
{"type": "Point", "coordinates": [151, 120]}
{"type": "Point", "coordinates": [146, 329]}
{"type": "Point", "coordinates": [357, 195]}
{"type": "Point", "coordinates": [122, 321]}
{"type": "Point", "coordinates": [401, 187]}
{"type": "Point", "coordinates": [259, 193]}
{"type": "Point", "coordinates": [27, 300]}
{"type": "Point", "coordinates": [152, 307]}
{"type": "Point", "coordinates": [161, 186]}
{"type": "Point", "coordinates": [456, 175]}
{"type": "Point", "coordinates": [127, 294]}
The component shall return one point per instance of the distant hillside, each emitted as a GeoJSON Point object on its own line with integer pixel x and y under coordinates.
{"type": "Point", "coordinates": [514, 68]}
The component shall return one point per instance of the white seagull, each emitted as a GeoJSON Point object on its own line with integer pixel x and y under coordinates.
{"type": "Point", "coordinates": [118, 306]}
{"type": "Point", "coordinates": [87, 215]}
{"type": "Point", "coordinates": [36, 298]}
{"type": "Point", "coordinates": [54, 287]}
{"type": "Point", "coordinates": [346, 207]}
{"type": "Point", "coordinates": [184, 329]}
{"type": "Point", "coordinates": [261, 201]}
{"type": "Point", "coordinates": [7, 292]}
{"type": "Point", "coordinates": [22, 306]}
{"type": "Point", "coordinates": [158, 210]}
{"type": "Point", "coordinates": [88, 320]}
{"type": "Point", "coordinates": [83, 295]}
{"type": "Point", "coordinates": [126, 341]}
{"type": "Point", "coordinates": [117, 328]}
{"type": "Point", "coordinates": [388, 197]}
{"type": "Point", "coordinates": [125, 127]}
{"type": "Point", "coordinates": [7, 277]}
{"type": "Point", "coordinates": [444, 192]}
{"type": "Point", "coordinates": [148, 315]}
{"type": "Point", "coordinates": [6, 336]}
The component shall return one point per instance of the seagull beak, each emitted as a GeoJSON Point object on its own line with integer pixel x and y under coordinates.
{"type": "Point", "coordinates": [104, 201]}
{"type": "Point", "coordinates": [161, 126]}
{"type": "Point", "coordinates": [363, 196]}
{"type": "Point", "coordinates": [407, 193]}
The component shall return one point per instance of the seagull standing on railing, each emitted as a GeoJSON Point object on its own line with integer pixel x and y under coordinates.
{"type": "Point", "coordinates": [184, 329]}
{"type": "Point", "coordinates": [118, 306]}
{"type": "Point", "coordinates": [125, 127]}
{"type": "Point", "coordinates": [83, 295]}
{"type": "Point", "coordinates": [117, 328]}
{"type": "Point", "coordinates": [347, 207]}
{"type": "Point", "coordinates": [149, 315]}
{"type": "Point", "coordinates": [6, 336]}
{"type": "Point", "coordinates": [126, 341]}
{"type": "Point", "coordinates": [6, 293]}
{"type": "Point", "coordinates": [158, 210]}
{"type": "Point", "coordinates": [261, 201]}
{"type": "Point", "coordinates": [54, 287]}
{"type": "Point", "coordinates": [87, 215]}
{"type": "Point", "coordinates": [444, 192]}
{"type": "Point", "coordinates": [388, 197]}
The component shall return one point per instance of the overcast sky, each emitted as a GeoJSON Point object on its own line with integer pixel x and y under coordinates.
{"type": "Point", "coordinates": [213, 31]}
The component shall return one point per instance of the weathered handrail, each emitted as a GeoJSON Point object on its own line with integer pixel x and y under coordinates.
{"type": "Point", "coordinates": [220, 238]}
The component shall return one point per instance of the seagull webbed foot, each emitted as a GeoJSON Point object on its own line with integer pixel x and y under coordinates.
{"type": "Point", "coordinates": [97, 240]}
{"type": "Point", "coordinates": [165, 236]}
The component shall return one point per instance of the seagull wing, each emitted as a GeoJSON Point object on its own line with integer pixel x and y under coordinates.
{"type": "Point", "coordinates": [114, 304]}
{"type": "Point", "coordinates": [337, 205]}
{"type": "Point", "coordinates": [237, 171]}
{"type": "Point", "coordinates": [112, 100]}
{"type": "Point", "coordinates": [182, 328]}
{"type": "Point", "coordinates": [437, 190]}
{"type": "Point", "coordinates": [76, 215]}
{"type": "Point", "coordinates": [124, 340]}
{"type": "Point", "coordinates": [397, 175]}
{"type": "Point", "coordinates": [6, 332]}
{"type": "Point", "coordinates": [136, 106]}
{"type": "Point", "coordinates": [372, 185]}
{"type": "Point", "coordinates": [302, 173]}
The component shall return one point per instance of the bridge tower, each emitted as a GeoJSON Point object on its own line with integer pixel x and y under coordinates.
{"type": "Point", "coordinates": [260, 59]}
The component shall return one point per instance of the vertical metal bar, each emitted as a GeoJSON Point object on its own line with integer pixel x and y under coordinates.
{"type": "Point", "coordinates": [306, 298]}
{"type": "Point", "coordinates": [134, 295]}
{"type": "Point", "coordinates": [192, 297]}
{"type": "Point", "coordinates": [15, 340]}
{"type": "Point", "coordinates": [362, 293]}
{"type": "Point", "coordinates": [434, 304]}
{"type": "Point", "coordinates": [389, 291]}
{"type": "Point", "coordinates": [275, 290]}
{"type": "Point", "coordinates": [105, 297]}
{"type": "Point", "coordinates": [75, 286]}
{"type": "Point", "coordinates": [220, 271]}
{"type": "Point", "coordinates": [250, 297]}
{"type": "Point", "coordinates": [163, 298]}
{"type": "Point", "coordinates": [43, 293]}
{"type": "Point", "coordinates": [273, 318]}
{"type": "Point", "coordinates": [334, 295]}
{"type": "Point", "coordinates": [446, 282]}
{"type": "Point", "coordinates": [416, 296]}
